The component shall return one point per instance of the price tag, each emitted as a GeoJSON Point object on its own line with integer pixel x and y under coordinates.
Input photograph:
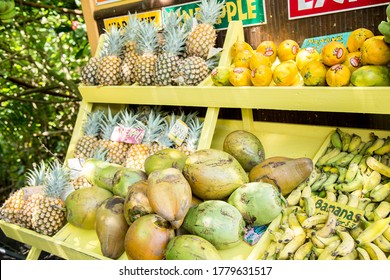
{"type": "Point", "coordinates": [254, 234]}
{"type": "Point", "coordinates": [178, 132]}
{"type": "Point", "coordinates": [130, 135]}
{"type": "Point", "coordinates": [75, 166]}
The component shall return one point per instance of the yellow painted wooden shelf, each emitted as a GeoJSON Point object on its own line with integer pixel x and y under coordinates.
{"type": "Point", "coordinates": [292, 140]}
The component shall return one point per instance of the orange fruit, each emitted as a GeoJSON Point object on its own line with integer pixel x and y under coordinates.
{"type": "Point", "coordinates": [338, 75]}
{"type": "Point", "coordinates": [287, 50]}
{"type": "Point", "coordinates": [259, 59]}
{"type": "Point", "coordinates": [242, 58]}
{"type": "Point", "coordinates": [314, 73]}
{"type": "Point", "coordinates": [286, 73]}
{"type": "Point", "coordinates": [261, 75]}
{"type": "Point", "coordinates": [333, 53]}
{"type": "Point", "coordinates": [305, 55]}
{"type": "Point", "coordinates": [357, 38]}
{"type": "Point", "coordinates": [239, 46]}
{"type": "Point", "coordinates": [240, 76]}
{"type": "Point", "coordinates": [353, 61]}
{"type": "Point", "coordinates": [268, 48]}
{"type": "Point", "coordinates": [375, 51]}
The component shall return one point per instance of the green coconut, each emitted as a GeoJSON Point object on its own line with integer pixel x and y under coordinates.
{"type": "Point", "coordinates": [191, 247]}
{"type": "Point", "coordinates": [217, 221]}
{"type": "Point", "coordinates": [258, 202]}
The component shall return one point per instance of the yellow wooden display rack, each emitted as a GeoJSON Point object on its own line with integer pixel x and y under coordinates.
{"type": "Point", "coordinates": [292, 140]}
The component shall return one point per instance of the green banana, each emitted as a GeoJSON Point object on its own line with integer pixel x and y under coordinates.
{"type": "Point", "coordinates": [371, 182]}
{"type": "Point", "coordinates": [384, 28]}
{"type": "Point", "coordinates": [352, 171]}
{"type": "Point", "coordinates": [346, 246]}
{"type": "Point", "coordinates": [345, 160]}
{"type": "Point", "coordinates": [368, 211]}
{"type": "Point", "coordinates": [342, 173]}
{"type": "Point", "coordinates": [345, 140]}
{"type": "Point", "coordinates": [363, 202]}
{"type": "Point", "coordinates": [333, 161]}
{"type": "Point", "coordinates": [332, 178]}
{"type": "Point", "coordinates": [378, 166]}
{"type": "Point", "coordinates": [304, 251]}
{"type": "Point", "coordinates": [328, 155]}
{"type": "Point", "coordinates": [335, 139]}
{"type": "Point", "coordinates": [378, 143]}
{"type": "Point", "coordinates": [317, 185]}
{"type": "Point", "coordinates": [355, 143]}
{"type": "Point", "coordinates": [363, 164]}
{"type": "Point", "coordinates": [373, 251]}
{"type": "Point", "coordinates": [386, 146]}
{"type": "Point", "coordinates": [386, 233]}
{"type": "Point", "coordinates": [355, 184]}
{"type": "Point", "coordinates": [380, 192]}
{"type": "Point", "coordinates": [309, 205]}
{"type": "Point", "coordinates": [372, 231]}
{"type": "Point", "coordinates": [8, 16]}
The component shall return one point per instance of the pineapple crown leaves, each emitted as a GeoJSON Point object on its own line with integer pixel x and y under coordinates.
{"type": "Point", "coordinates": [146, 37]}
{"type": "Point", "coordinates": [154, 127]}
{"type": "Point", "coordinates": [92, 124]}
{"type": "Point", "coordinates": [114, 41]}
{"type": "Point", "coordinates": [195, 129]}
{"type": "Point", "coordinates": [128, 118]}
{"type": "Point", "coordinates": [108, 124]}
{"type": "Point", "coordinates": [57, 180]}
{"type": "Point", "coordinates": [210, 11]}
{"type": "Point", "coordinates": [100, 153]}
{"type": "Point", "coordinates": [130, 30]}
{"type": "Point", "coordinates": [36, 176]}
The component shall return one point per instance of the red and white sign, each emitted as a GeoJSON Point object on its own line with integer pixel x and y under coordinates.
{"type": "Point", "coordinates": [311, 8]}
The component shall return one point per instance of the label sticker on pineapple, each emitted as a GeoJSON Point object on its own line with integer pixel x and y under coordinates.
{"type": "Point", "coordinates": [130, 135]}
{"type": "Point", "coordinates": [254, 234]}
{"type": "Point", "coordinates": [178, 132]}
{"type": "Point", "coordinates": [347, 216]}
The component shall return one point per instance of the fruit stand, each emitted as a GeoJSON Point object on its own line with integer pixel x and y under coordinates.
{"type": "Point", "coordinates": [291, 140]}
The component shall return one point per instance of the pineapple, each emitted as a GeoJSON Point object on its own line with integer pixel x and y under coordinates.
{"type": "Point", "coordinates": [138, 153]}
{"type": "Point", "coordinates": [89, 72]}
{"type": "Point", "coordinates": [109, 68]}
{"type": "Point", "coordinates": [14, 208]}
{"type": "Point", "coordinates": [116, 150]}
{"type": "Point", "coordinates": [87, 143]}
{"type": "Point", "coordinates": [48, 209]}
{"type": "Point", "coordinates": [190, 144]}
{"type": "Point", "coordinates": [167, 62]}
{"type": "Point", "coordinates": [163, 140]}
{"type": "Point", "coordinates": [191, 71]}
{"type": "Point", "coordinates": [130, 55]}
{"type": "Point", "coordinates": [147, 42]}
{"type": "Point", "coordinates": [203, 36]}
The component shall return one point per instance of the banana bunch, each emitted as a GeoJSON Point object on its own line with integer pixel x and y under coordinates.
{"type": "Point", "coordinates": [302, 235]}
{"type": "Point", "coordinates": [384, 26]}
{"type": "Point", "coordinates": [7, 10]}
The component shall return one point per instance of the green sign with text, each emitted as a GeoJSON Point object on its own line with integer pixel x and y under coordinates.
{"type": "Point", "coordinates": [250, 12]}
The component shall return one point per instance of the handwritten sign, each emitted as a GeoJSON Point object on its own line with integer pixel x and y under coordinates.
{"type": "Point", "coordinates": [310, 8]}
{"type": "Point", "coordinates": [347, 216]}
{"type": "Point", "coordinates": [122, 21]}
{"type": "Point", "coordinates": [130, 135]}
{"type": "Point", "coordinates": [178, 132]}
{"type": "Point", "coordinates": [319, 42]}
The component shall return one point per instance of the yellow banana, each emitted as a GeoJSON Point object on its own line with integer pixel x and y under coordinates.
{"type": "Point", "coordinates": [294, 224]}
{"type": "Point", "coordinates": [351, 256]}
{"type": "Point", "coordinates": [329, 227]}
{"type": "Point", "coordinates": [270, 251]}
{"type": "Point", "coordinates": [355, 143]}
{"type": "Point", "coordinates": [342, 198]}
{"type": "Point", "coordinates": [304, 251]}
{"type": "Point", "coordinates": [331, 180]}
{"type": "Point", "coordinates": [294, 197]}
{"type": "Point", "coordinates": [287, 235]}
{"type": "Point", "coordinates": [309, 205]}
{"type": "Point", "coordinates": [352, 171]}
{"type": "Point", "coordinates": [382, 243]}
{"type": "Point", "coordinates": [356, 231]}
{"type": "Point", "coordinates": [373, 230]}
{"type": "Point", "coordinates": [325, 241]}
{"type": "Point", "coordinates": [384, 149]}
{"type": "Point", "coordinates": [369, 210]}
{"type": "Point", "coordinates": [363, 254]}
{"type": "Point", "coordinates": [347, 244]}
{"type": "Point", "coordinates": [380, 192]}
{"type": "Point", "coordinates": [377, 144]}
{"type": "Point", "coordinates": [316, 252]}
{"type": "Point", "coordinates": [371, 181]}
{"type": "Point", "coordinates": [312, 221]}
{"type": "Point", "coordinates": [275, 235]}
{"type": "Point", "coordinates": [386, 233]}
{"type": "Point", "coordinates": [328, 155]}
{"type": "Point", "coordinates": [353, 200]}
{"type": "Point", "coordinates": [363, 202]}
{"type": "Point", "coordinates": [317, 185]}
{"type": "Point", "coordinates": [330, 195]}
{"type": "Point", "coordinates": [301, 216]}
{"type": "Point", "coordinates": [335, 139]}
{"type": "Point", "coordinates": [290, 248]}
{"type": "Point", "coordinates": [378, 166]}
{"type": "Point", "coordinates": [355, 184]}
{"type": "Point", "coordinates": [363, 164]}
{"type": "Point", "coordinates": [328, 252]}
{"type": "Point", "coordinates": [382, 210]}
{"type": "Point", "coordinates": [306, 191]}
{"type": "Point", "coordinates": [373, 251]}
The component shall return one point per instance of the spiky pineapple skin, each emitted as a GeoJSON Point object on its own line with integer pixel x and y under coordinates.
{"type": "Point", "coordinates": [166, 64]}
{"type": "Point", "coordinates": [128, 63]}
{"type": "Point", "coordinates": [201, 40]}
{"type": "Point", "coordinates": [11, 208]}
{"type": "Point", "coordinates": [109, 71]}
{"type": "Point", "coordinates": [145, 69]}
{"type": "Point", "coordinates": [89, 72]}
{"type": "Point", "coordinates": [136, 156]}
{"type": "Point", "coordinates": [85, 146]}
{"type": "Point", "coordinates": [116, 150]}
{"type": "Point", "coordinates": [191, 71]}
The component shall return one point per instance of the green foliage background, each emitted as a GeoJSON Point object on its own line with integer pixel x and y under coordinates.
{"type": "Point", "coordinates": [40, 64]}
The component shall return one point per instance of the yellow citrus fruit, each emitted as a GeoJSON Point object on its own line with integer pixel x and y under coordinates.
{"type": "Point", "coordinates": [338, 75]}
{"type": "Point", "coordinates": [333, 53]}
{"type": "Point", "coordinates": [357, 38]}
{"type": "Point", "coordinates": [268, 48]}
{"type": "Point", "coordinates": [305, 55]}
{"type": "Point", "coordinates": [375, 51]}
{"type": "Point", "coordinates": [287, 50]}
{"type": "Point", "coordinates": [259, 59]}
{"type": "Point", "coordinates": [261, 75]}
{"type": "Point", "coordinates": [242, 58]}
{"type": "Point", "coordinates": [286, 73]}
{"type": "Point", "coordinates": [314, 73]}
{"type": "Point", "coordinates": [239, 46]}
{"type": "Point", "coordinates": [353, 61]}
{"type": "Point", "coordinates": [240, 76]}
